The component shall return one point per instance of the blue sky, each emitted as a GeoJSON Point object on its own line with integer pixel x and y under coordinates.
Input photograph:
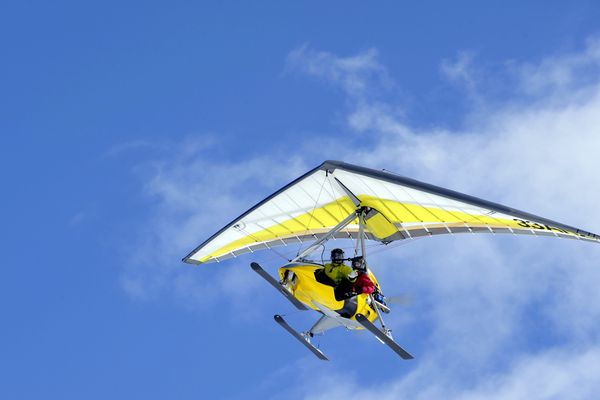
{"type": "Point", "coordinates": [133, 131]}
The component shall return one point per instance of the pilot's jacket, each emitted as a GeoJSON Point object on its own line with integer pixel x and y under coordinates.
{"type": "Point", "coordinates": [338, 272]}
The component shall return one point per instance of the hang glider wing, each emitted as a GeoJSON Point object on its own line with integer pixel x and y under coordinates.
{"type": "Point", "coordinates": [399, 208]}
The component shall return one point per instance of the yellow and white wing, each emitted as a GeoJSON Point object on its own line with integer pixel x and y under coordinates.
{"type": "Point", "coordinates": [398, 208]}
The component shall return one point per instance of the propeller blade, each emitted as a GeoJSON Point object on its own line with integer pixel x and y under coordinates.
{"type": "Point", "coordinates": [402, 299]}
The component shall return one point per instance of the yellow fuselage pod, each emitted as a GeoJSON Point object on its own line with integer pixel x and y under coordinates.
{"type": "Point", "coordinates": [307, 289]}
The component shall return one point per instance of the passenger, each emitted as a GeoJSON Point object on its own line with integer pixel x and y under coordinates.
{"type": "Point", "coordinates": [363, 283]}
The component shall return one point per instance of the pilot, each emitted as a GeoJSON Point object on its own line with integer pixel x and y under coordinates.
{"type": "Point", "coordinates": [337, 271]}
{"type": "Point", "coordinates": [341, 275]}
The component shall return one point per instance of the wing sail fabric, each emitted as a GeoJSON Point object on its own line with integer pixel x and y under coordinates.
{"type": "Point", "coordinates": [302, 211]}
{"type": "Point", "coordinates": [400, 208]}
{"type": "Point", "coordinates": [420, 209]}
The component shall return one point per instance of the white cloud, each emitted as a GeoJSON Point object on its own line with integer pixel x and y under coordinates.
{"type": "Point", "coordinates": [546, 375]}
{"type": "Point", "coordinates": [556, 374]}
{"type": "Point", "coordinates": [478, 294]}
{"type": "Point", "coordinates": [539, 156]}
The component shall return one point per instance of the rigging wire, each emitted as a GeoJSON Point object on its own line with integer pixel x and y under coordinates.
{"type": "Point", "coordinates": [373, 247]}
{"type": "Point", "coordinates": [269, 247]}
{"type": "Point", "coordinates": [384, 247]}
{"type": "Point", "coordinates": [312, 213]}
{"type": "Point", "coordinates": [336, 199]}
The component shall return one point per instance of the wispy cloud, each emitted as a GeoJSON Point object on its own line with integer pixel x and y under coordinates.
{"type": "Point", "coordinates": [559, 74]}
{"type": "Point", "coordinates": [358, 76]}
{"type": "Point", "coordinates": [462, 72]}
{"type": "Point", "coordinates": [193, 192]}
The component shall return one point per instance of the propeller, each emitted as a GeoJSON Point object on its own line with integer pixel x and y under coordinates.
{"type": "Point", "coordinates": [405, 299]}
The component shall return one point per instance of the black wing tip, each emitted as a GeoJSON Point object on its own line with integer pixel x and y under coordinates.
{"type": "Point", "coordinates": [189, 261]}
{"type": "Point", "coordinates": [331, 164]}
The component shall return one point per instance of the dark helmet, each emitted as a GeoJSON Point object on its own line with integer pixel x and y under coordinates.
{"type": "Point", "coordinates": [337, 255]}
{"type": "Point", "coordinates": [359, 263]}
